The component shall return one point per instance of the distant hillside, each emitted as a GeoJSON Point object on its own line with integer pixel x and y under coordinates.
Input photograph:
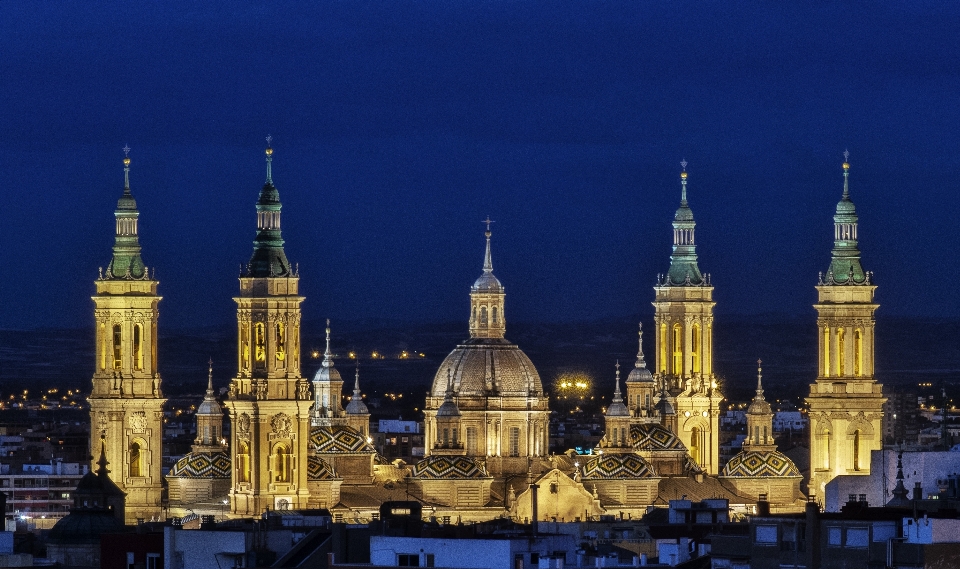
{"type": "Point", "coordinates": [908, 351]}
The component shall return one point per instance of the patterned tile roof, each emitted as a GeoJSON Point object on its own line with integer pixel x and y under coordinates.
{"type": "Point", "coordinates": [338, 439]}
{"type": "Point", "coordinates": [319, 469]}
{"type": "Point", "coordinates": [756, 463]}
{"type": "Point", "coordinates": [619, 466]}
{"type": "Point", "coordinates": [445, 467]}
{"type": "Point", "coordinates": [652, 436]}
{"type": "Point", "coordinates": [202, 465]}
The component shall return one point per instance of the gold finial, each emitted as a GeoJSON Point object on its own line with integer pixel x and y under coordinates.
{"type": "Point", "coordinates": [846, 158]}
{"type": "Point", "coordinates": [488, 221]}
{"type": "Point", "coordinates": [683, 164]}
{"type": "Point", "coordinates": [269, 145]}
{"type": "Point", "coordinates": [126, 154]}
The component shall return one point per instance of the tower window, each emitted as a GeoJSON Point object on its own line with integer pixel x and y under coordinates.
{"type": "Point", "coordinates": [137, 458]}
{"type": "Point", "coordinates": [856, 449]}
{"type": "Point", "coordinates": [514, 441]}
{"type": "Point", "coordinates": [117, 340]}
{"type": "Point", "coordinates": [826, 351]}
{"type": "Point", "coordinates": [858, 352]}
{"type": "Point", "coordinates": [281, 463]}
{"type": "Point", "coordinates": [280, 350]}
{"type": "Point", "coordinates": [243, 462]}
{"type": "Point", "coordinates": [138, 347]}
{"type": "Point", "coordinates": [104, 346]}
{"type": "Point", "coordinates": [261, 345]}
{"type": "Point", "coordinates": [841, 353]}
{"type": "Point", "coordinates": [677, 350]}
{"type": "Point", "coordinates": [663, 348]}
{"type": "Point", "coordinates": [245, 346]}
{"type": "Point", "coordinates": [695, 348]}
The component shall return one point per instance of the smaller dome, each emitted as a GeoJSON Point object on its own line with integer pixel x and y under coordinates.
{"type": "Point", "coordinates": [618, 466]}
{"type": "Point", "coordinates": [319, 469]}
{"type": "Point", "coordinates": [684, 213]}
{"type": "Point", "coordinates": [327, 374]}
{"type": "Point", "coordinates": [126, 202]}
{"type": "Point", "coordinates": [448, 409]}
{"type": "Point", "coordinates": [357, 406]}
{"type": "Point", "coordinates": [85, 526]}
{"type": "Point", "coordinates": [487, 283]}
{"type": "Point", "coordinates": [845, 207]}
{"type": "Point", "coordinates": [665, 407]}
{"type": "Point", "coordinates": [617, 409]}
{"type": "Point", "coordinates": [760, 463]}
{"type": "Point", "coordinates": [759, 406]}
{"type": "Point", "coordinates": [640, 374]}
{"type": "Point", "coordinates": [447, 467]}
{"type": "Point", "coordinates": [202, 465]}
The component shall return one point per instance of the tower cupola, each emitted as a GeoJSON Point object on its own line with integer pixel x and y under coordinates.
{"type": "Point", "coordinates": [759, 419]}
{"type": "Point", "coordinates": [845, 265]}
{"type": "Point", "coordinates": [487, 300]}
{"type": "Point", "coordinates": [126, 262]}
{"type": "Point", "coordinates": [268, 259]}
{"type": "Point", "coordinates": [683, 261]}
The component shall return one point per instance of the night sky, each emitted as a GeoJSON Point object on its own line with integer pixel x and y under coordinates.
{"type": "Point", "coordinates": [398, 126]}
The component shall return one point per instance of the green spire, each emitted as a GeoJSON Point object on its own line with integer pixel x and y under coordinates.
{"type": "Point", "coordinates": [845, 258]}
{"type": "Point", "coordinates": [268, 259]}
{"type": "Point", "coordinates": [126, 262]}
{"type": "Point", "coordinates": [683, 261]}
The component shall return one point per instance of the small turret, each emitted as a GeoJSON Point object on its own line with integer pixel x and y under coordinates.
{"type": "Point", "coordinates": [845, 265]}
{"type": "Point", "coordinates": [327, 388]}
{"type": "Point", "coordinates": [487, 299]}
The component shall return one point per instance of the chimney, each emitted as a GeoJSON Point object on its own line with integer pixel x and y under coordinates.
{"type": "Point", "coordinates": [763, 506]}
{"type": "Point", "coordinates": [917, 491]}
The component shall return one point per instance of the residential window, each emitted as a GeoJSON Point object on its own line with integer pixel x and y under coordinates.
{"type": "Point", "coordinates": [408, 560]}
{"type": "Point", "coordinates": [833, 536]}
{"type": "Point", "coordinates": [765, 534]}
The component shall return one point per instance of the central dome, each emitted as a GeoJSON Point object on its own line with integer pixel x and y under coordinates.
{"type": "Point", "coordinates": [482, 365]}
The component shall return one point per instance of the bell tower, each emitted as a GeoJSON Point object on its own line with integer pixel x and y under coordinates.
{"type": "Point", "coordinates": [845, 401]}
{"type": "Point", "coordinates": [683, 315]}
{"type": "Point", "coordinates": [126, 404]}
{"type": "Point", "coordinates": [269, 400]}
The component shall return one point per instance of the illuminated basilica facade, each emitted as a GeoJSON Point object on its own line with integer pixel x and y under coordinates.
{"type": "Point", "coordinates": [293, 445]}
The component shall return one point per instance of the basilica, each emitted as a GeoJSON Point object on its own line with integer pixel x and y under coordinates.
{"type": "Point", "coordinates": [291, 444]}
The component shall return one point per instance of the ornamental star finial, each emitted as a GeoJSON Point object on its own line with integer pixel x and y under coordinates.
{"type": "Point", "coordinates": [126, 150]}
{"type": "Point", "coordinates": [846, 155]}
{"type": "Point", "coordinates": [488, 221]}
{"type": "Point", "coordinates": [269, 140]}
{"type": "Point", "coordinates": [683, 164]}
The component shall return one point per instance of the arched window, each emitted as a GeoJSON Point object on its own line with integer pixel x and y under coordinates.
{"type": "Point", "coordinates": [494, 313]}
{"type": "Point", "coordinates": [663, 348]}
{"type": "Point", "coordinates": [243, 462]}
{"type": "Point", "coordinates": [138, 347]}
{"type": "Point", "coordinates": [261, 344]}
{"type": "Point", "coordinates": [281, 463]}
{"type": "Point", "coordinates": [695, 445]}
{"type": "Point", "coordinates": [446, 437]}
{"type": "Point", "coordinates": [826, 351]}
{"type": "Point", "coordinates": [104, 346]}
{"type": "Point", "coordinates": [858, 352]}
{"type": "Point", "coordinates": [856, 449]}
{"type": "Point", "coordinates": [514, 441]}
{"type": "Point", "coordinates": [646, 401]}
{"type": "Point", "coordinates": [245, 346]}
{"type": "Point", "coordinates": [695, 348]}
{"type": "Point", "coordinates": [756, 435]}
{"type": "Point", "coordinates": [280, 348]}
{"type": "Point", "coordinates": [137, 458]}
{"type": "Point", "coordinates": [677, 350]}
{"type": "Point", "coordinates": [841, 355]}
{"type": "Point", "coordinates": [455, 440]}
{"type": "Point", "coordinates": [117, 340]}
{"type": "Point", "coordinates": [825, 449]}
{"type": "Point", "coordinates": [483, 315]}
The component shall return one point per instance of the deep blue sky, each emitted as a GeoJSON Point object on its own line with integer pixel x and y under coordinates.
{"type": "Point", "coordinates": [398, 126]}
